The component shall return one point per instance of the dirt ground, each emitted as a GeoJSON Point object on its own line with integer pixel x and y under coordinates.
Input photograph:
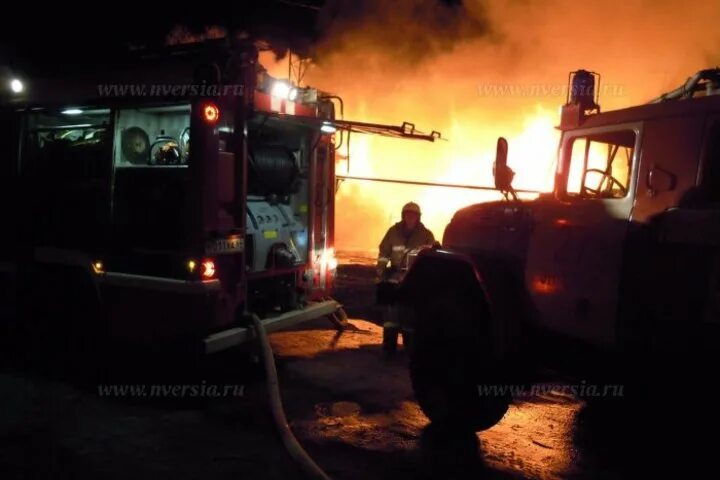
{"type": "Point", "coordinates": [350, 407]}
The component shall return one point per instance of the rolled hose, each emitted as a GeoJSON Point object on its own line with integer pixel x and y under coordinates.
{"type": "Point", "coordinates": [293, 447]}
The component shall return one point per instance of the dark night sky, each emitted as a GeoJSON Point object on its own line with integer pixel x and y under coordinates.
{"type": "Point", "coordinates": [59, 33]}
{"type": "Point", "coordinates": [38, 36]}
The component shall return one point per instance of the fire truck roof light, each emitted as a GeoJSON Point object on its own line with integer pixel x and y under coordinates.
{"type": "Point", "coordinates": [16, 85]}
{"type": "Point", "coordinates": [327, 127]}
{"type": "Point", "coordinates": [282, 89]}
{"type": "Point", "coordinates": [72, 111]}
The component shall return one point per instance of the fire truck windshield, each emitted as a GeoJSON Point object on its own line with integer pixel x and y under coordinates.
{"type": "Point", "coordinates": [600, 164]}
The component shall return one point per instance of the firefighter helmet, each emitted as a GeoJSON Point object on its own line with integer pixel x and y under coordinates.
{"type": "Point", "coordinates": [411, 207]}
{"type": "Point", "coordinates": [166, 151]}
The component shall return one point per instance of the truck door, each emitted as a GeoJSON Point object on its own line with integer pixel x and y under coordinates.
{"type": "Point", "coordinates": [671, 149]}
{"type": "Point", "coordinates": [576, 248]}
{"type": "Point", "coordinates": [678, 195]}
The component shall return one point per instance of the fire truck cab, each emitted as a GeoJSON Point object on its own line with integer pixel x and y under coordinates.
{"type": "Point", "coordinates": [620, 260]}
{"type": "Point", "coordinates": [167, 199]}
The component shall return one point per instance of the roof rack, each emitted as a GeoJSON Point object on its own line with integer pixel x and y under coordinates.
{"type": "Point", "coordinates": [707, 81]}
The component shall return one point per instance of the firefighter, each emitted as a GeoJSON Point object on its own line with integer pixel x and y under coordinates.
{"type": "Point", "coordinates": [406, 235]}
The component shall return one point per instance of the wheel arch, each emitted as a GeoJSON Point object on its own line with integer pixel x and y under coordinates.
{"type": "Point", "coordinates": [438, 270]}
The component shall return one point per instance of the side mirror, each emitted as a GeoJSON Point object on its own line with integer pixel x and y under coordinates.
{"type": "Point", "coordinates": [660, 180]}
{"type": "Point", "coordinates": [502, 173]}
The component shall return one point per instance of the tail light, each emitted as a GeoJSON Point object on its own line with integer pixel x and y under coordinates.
{"type": "Point", "coordinates": [207, 269]}
{"type": "Point", "coordinates": [210, 113]}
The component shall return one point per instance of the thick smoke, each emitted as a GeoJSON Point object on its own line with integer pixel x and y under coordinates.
{"type": "Point", "coordinates": [408, 31]}
{"type": "Point", "coordinates": [479, 69]}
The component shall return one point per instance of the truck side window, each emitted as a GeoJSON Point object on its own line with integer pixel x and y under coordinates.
{"type": "Point", "coordinates": [600, 165]}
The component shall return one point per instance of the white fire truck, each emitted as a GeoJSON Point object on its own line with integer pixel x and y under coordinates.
{"type": "Point", "coordinates": [619, 263]}
{"type": "Point", "coordinates": [167, 199]}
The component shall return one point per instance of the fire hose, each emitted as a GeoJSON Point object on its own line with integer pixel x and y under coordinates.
{"type": "Point", "coordinates": [293, 447]}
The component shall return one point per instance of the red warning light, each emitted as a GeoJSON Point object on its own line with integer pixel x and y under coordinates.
{"type": "Point", "coordinates": [211, 113]}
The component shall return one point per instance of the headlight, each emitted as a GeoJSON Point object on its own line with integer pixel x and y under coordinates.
{"type": "Point", "coordinates": [16, 85]}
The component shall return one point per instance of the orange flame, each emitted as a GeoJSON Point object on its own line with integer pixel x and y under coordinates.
{"type": "Point", "coordinates": [509, 79]}
{"type": "Point", "coordinates": [466, 159]}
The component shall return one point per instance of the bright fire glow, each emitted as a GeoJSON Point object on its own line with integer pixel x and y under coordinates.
{"type": "Point", "coordinates": [495, 68]}
{"type": "Point", "coordinates": [466, 159]}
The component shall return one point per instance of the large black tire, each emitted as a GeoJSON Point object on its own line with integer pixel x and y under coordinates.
{"type": "Point", "coordinates": [451, 359]}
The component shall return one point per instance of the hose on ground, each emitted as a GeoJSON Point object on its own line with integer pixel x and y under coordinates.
{"type": "Point", "coordinates": [293, 447]}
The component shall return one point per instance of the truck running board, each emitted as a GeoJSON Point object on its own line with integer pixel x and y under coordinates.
{"type": "Point", "coordinates": [235, 336]}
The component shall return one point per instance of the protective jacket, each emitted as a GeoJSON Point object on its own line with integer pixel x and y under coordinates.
{"type": "Point", "coordinates": [397, 242]}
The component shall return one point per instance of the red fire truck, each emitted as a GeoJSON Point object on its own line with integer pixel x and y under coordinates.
{"type": "Point", "coordinates": [615, 271]}
{"type": "Point", "coordinates": [168, 198]}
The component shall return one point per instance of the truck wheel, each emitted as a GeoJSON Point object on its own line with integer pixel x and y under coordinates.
{"type": "Point", "coordinates": [451, 367]}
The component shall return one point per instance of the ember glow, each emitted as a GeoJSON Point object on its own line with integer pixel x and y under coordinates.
{"type": "Point", "coordinates": [489, 68]}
